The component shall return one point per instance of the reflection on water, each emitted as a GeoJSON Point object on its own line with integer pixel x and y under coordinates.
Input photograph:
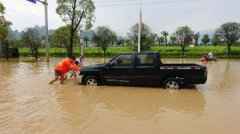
{"type": "Point", "coordinates": [147, 103]}
{"type": "Point", "coordinates": [29, 105]}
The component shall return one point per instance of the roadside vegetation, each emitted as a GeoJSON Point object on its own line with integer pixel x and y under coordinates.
{"type": "Point", "coordinates": [166, 52]}
{"type": "Point", "coordinates": [102, 41]}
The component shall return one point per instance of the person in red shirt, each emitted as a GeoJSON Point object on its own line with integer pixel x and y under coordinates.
{"type": "Point", "coordinates": [204, 59]}
{"type": "Point", "coordinates": [63, 67]}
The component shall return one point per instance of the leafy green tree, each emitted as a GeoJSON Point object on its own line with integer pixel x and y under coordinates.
{"type": "Point", "coordinates": [120, 40]}
{"type": "Point", "coordinates": [147, 37]}
{"type": "Point", "coordinates": [3, 26]}
{"type": "Point", "coordinates": [4, 30]}
{"type": "Point", "coordinates": [173, 39]}
{"type": "Point", "coordinates": [31, 37]}
{"type": "Point", "coordinates": [155, 37]}
{"type": "Point", "coordinates": [217, 40]}
{"type": "Point", "coordinates": [161, 40]}
{"type": "Point", "coordinates": [2, 8]}
{"type": "Point", "coordinates": [11, 41]}
{"type": "Point", "coordinates": [165, 35]}
{"type": "Point", "coordinates": [3, 33]}
{"type": "Point", "coordinates": [113, 38]}
{"type": "Point", "coordinates": [196, 38]}
{"type": "Point", "coordinates": [184, 36]}
{"type": "Point", "coordinates": [73, 12]}
{"type": "Point", "coordinates": [230, 33]}
{"type": "Point", "coordinates": [205, 39]}
{"type": "Point", "coordinates": [103, 37]}
{"type": "Point", "coordinates": [61, 36]}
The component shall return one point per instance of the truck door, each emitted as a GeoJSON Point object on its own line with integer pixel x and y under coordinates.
{"type": "Point", "coordinates": [147, 71]}
{"type": "Point", "coordinates": [120, 70]}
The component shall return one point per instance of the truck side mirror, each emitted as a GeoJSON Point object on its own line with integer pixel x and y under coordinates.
{"type": "Point", "coordinates": [113, 63]}
{"type": "Point", "coordinates": [110, 64]}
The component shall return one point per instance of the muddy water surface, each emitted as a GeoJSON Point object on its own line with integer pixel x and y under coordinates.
{"type": "Point", "coordinates": [28, 105]}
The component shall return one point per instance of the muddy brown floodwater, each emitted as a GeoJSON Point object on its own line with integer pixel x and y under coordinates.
{"type": "Point", "coordinates": [28, 105]}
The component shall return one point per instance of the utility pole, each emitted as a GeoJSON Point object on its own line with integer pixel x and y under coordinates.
{"type": "Point", "coordinates": [81, 45]}
{"type": "Point", "coordinates": [140, 28]}
{"type": "Point", "coordinates": [46, 28]}
{"type": "Point", "coordinates": [45, 4]}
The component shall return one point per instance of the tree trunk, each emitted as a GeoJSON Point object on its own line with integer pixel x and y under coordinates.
{"type": "Point", "coordinates": [86, 43]}
{"type": "Point", "coordinates": [36, 53]}
{"type": "Point", "coordinates": [7, 50]}
{"type": "Point", "coordinates": [70, 48]}
{"type": "Point", "coordinates": [104, 54]}
{"type": "Point", "coordinates": [166, 41]}
{"type": "Point", "coordinates": [183, 50]}
{"type": "Point", "coordinates": [159, 42]}
{"type": "Point", "coordinates": [1, 51]}
{"type": "Point", "coordinates": [32, 50]}
{"type": "Point", "coordinates": [229, 49]}
{"type": "Point", "coordinates": [196, 42]}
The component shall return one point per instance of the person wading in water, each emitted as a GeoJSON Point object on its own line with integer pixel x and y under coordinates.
{"type": "Point", "coordinates": [63, 67]}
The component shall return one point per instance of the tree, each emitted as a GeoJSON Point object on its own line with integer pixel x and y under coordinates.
{"type": "Point", "coordinates": [73, 12]}
{"type": "Point", "coordinates": [61, 36]}
{"type": "Point", "coordinates": [205, 39]}
{"type": "Point", "coordinates": [113, 38]}
{"type": "Point", "coordinates": [103, 37]}
{"type": "Point", "coordinates": [173, 39]}
{"type": "Point", "coordinates": [3, 32]}
{"type": "Point", "coordinates": [184, 36]}
{"type": "Point", "coordinates": [161, 40]}
{"type": "Point", "coordinates": [32, 38]}
{"type": "Point", "coordinates": [4, 29]}
{"type": "Point", "coordinates": [86, 40]}
{"type": "Point", "coordinates": [217, 40]}
{"type": "Point", "coordinates": [196, 38]}
{"type": "Point", "coordinates": [147, 37]}
{"type": "Point", "coordinates": [165, 35]}
{"type": "Point", "coordinates": [2, 8]}
{"type": "Point", "coordinates": [230, 33]}
{"type": "Point", "coordinates": [3, 26]}
{"type": "Point", "coordinates": [120, 40]}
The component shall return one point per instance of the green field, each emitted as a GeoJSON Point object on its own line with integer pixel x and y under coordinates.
{"type": "Point", "coordinates": [165, 51]}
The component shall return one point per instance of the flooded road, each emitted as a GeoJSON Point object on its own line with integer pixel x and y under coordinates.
{"type": "Point", "coordinates": [28, 105]}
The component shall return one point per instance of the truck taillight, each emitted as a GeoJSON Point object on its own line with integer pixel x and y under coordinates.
{"type": "Point", "coordinates": [205, 71]}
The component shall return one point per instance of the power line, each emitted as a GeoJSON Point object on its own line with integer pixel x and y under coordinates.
{"type": "Point", "coordinates": [138, 1]}
{"type": "Point", "coordinates": [116, 3]}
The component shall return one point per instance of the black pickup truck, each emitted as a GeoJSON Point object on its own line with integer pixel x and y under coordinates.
{"type": "Point", "coordinates": [143, 69]}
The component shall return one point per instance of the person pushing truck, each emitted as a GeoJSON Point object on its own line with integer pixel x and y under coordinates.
{"type": "Point", "coordinates": [63, 67]}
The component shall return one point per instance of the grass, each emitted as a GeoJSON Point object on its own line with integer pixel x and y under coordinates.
{"type": "Point", "coordinates": [165, 51]}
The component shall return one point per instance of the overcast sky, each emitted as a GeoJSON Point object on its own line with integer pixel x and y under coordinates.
{"type": "Point", "coordinates": [120, 15]}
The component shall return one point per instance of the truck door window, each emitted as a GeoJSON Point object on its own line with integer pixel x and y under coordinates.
{"type": "Point", "coordinates": [145, 60]}
{"type": "Point", "coordinates": [123, 60]}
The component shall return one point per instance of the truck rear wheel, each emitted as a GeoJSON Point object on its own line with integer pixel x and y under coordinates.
{"type": "Point", "coordinates": [91, 81]}
{"type": "Point", "coordinates": [172, 84]}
